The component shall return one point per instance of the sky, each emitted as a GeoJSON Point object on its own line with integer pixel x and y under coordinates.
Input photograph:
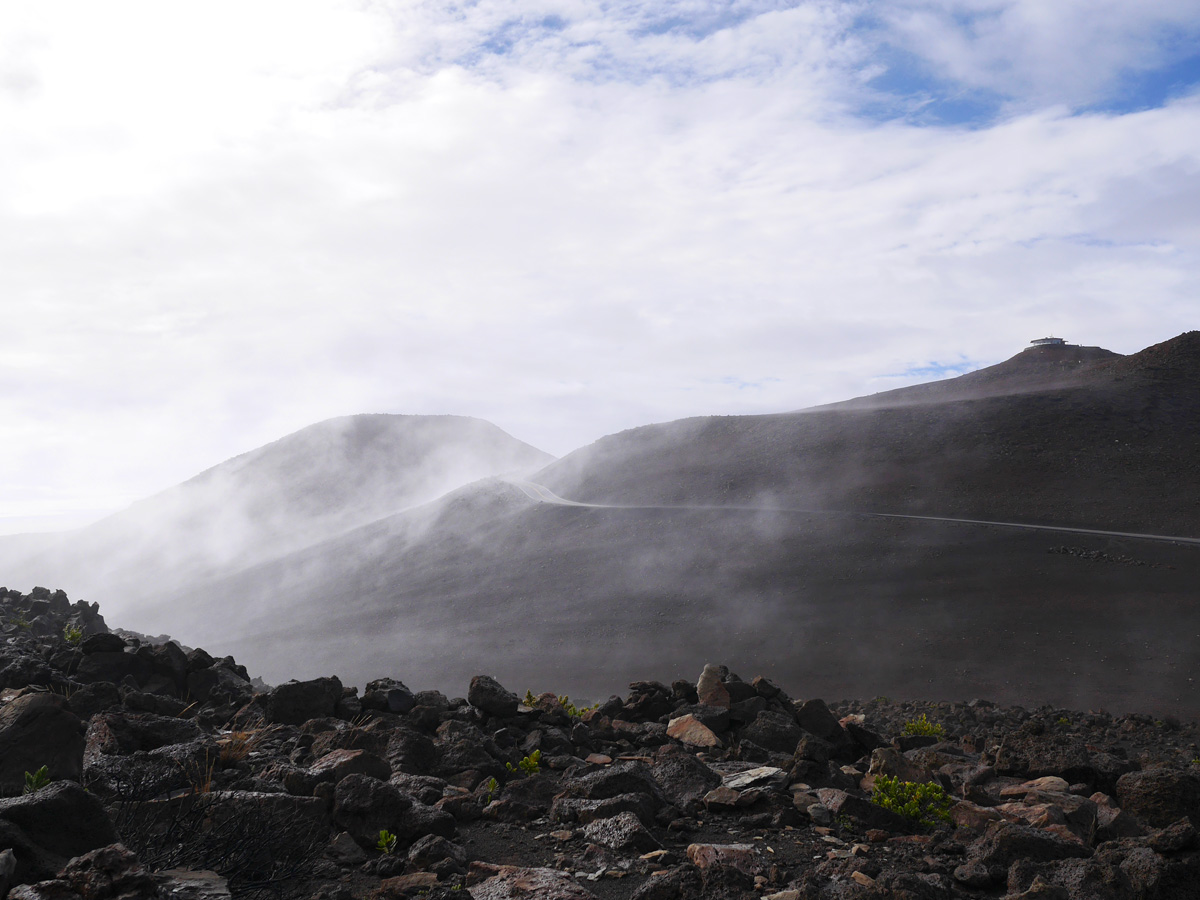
{"type": "Point", "coordinates": [221, 222]}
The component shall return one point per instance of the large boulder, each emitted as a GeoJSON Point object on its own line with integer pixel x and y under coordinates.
{"type": "Point", "coordinates": [50, 826]}
{"type": "Point", "coordinates": [364, 806]}
{"type": "Point", "coordinates": [625, 777]}
{"type": "Point", "coordinates": [388, 695]}
{"type": "Point", "coordinates": [773, 731]}
{"type": "Point", "coordinates": [143, 775]}
{"type": "Point", "coordinates": [1160, 797]}
{"type": "Point", "coordinates": [523, 800]}
{"type": "Point", "coordinates": [1004, 843]}
{"type": "Point", "coordinates": [251, 836]}
{"type": "Point", "coordinates": [296, 702]}
{"type": "Point", "coordinates": [682, 777]}
{"type": "Point", "coordinates": [338, 764]}
{"type": "Point", "coordinates": [1031, 752]}
{"type": "Point", "coordinates": [512, 883]}
{"type": "Point", "coordinates": [37, 730]}
{"type": "Point", "coordinates": [815, 718]}
{"type": "Point", "coordinates": [102, 643]}
{"type": "Point", "coordinates": [490, 696]}
{"type": "Point", "coordinates": [114, 666]}
{"type": "Point", "coordinates": [710, 690]}
{"type": "Point", "coordinates": [623, 832]}
{"type": "Point", "coordinates": [102, 874]}
{"type": "Point", "coordinates": [169, 661]}
{"type": "Point", "coordinates": [219, 683]}
{"type": "Point", "coordinates": [117, 732]}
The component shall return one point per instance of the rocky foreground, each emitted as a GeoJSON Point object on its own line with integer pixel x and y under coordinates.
{"type": "Point", "coordinates": [167, 774]}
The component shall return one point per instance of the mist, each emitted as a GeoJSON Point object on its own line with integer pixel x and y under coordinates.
{"type": "Point", "coordinates": [407, 547]}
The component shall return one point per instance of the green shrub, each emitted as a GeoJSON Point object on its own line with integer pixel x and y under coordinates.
{"type": "Point", "coordinates": [386, 842]}
{"type": "Point", "coordinates": [35, 781]}
{"type": "Point", "coordinates": [925, 803]}
{"type": "Point", "coordinates": [924, 727]}
{"type": "Point", "coordinates": [73, 634]}
{"type": "Point", "coordinates": [575, 712]}
{"type": "Point", "coordinates": [529, 765]}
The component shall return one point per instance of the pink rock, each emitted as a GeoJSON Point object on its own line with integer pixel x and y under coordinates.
{"type": "Point", "coordinates": [692, 731]}
{"type": "Point", "coordinates": [743, 857]}
{"type": "Point", "coordinates": [710, 689]}
{"type": "Point", "coordinates": [965, 814]}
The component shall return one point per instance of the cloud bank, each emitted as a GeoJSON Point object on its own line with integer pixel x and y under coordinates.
{"type": "Point", "coordinates": [220, 222]}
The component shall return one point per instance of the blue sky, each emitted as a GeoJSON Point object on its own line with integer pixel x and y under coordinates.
{"type": "Point", "coordinates": [221, 222]}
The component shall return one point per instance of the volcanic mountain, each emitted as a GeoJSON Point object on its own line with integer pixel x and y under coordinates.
{"type": "Point", "coordinates": [1057, 434]}
{"type": "Point", "coordinates": [300, 490]}
{"type": "Point", "coordinates": [753, 541]}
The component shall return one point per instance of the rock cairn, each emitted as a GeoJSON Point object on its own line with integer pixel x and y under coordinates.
{"type": "Point", "coordinates": [138, 769]}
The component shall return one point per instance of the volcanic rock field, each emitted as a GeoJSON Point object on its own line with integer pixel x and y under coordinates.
{"type": "Point", "coordinates": [137, 769]}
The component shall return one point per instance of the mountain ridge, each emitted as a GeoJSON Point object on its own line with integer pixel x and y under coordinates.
{"type": "Point", "coordinates": [851, 606]}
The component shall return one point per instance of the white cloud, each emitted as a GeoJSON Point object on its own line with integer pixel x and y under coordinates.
{"type": "Point", "coordinates": [220, 225]}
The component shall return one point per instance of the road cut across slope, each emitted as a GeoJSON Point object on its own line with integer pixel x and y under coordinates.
{"type": "Point", "coordinates": [543, 494]}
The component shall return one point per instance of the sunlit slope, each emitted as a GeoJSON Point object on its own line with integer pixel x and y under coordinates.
{"type": "Point", "coordinates": [302, 489]}
{"type": "Point", "coordinates": [1111, 444]}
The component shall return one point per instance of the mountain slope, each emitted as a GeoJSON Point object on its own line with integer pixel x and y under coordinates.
{"type": "Point", "coordinates": [486, 579]}
{"type": "Point", "coordinates": [579, 597]}
{"type": "Point", "coordinates": [1037, 368]}
{"type": "Point", "coordinates": [301, 489]}
{"type": "Point", "coordinates": [1118, 448]}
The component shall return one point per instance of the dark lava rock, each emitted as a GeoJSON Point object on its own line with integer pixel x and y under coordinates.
{"type": "Point", "coordinates": [623, 833]}
{"type": "Point", "coordinates": [37, 730]}
{"type": "Point", "coordinates": [490, 696]}
{"type": "Point", "coordinates": [681, 776]}
{"type": "Point", "coordinates": [296, 702]}
{"type": "Point", "coordinates": [102, 643]}
{"type": "Point", "coordinates": [50, 826]}
{"type": "Point", "coordinates": [388, 695]}
{"type": "Point", "coordinates": [774, 731]}
{"type": "Point", "coordinates": [1160, 797]}
{"type": "Point", "coordinates": [117, 733]}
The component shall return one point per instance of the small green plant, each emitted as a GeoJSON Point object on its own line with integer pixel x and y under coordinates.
{"type": "Point", "coordinates": [924, 727]}
{"type": "Point", "coordinates": [529, 700]}
{"type": "Point", "coordinates": [530, 765]}
{"type": "Point", "coordinates": [925, 803]}
{"type": "Point", "coordinates": [387, 841]}
{"type": "Point", "coordinates": [35, 781]}
{"type": "Point", "coordinates": [491, 787]}
{"type": "Point", "coordinates": [575, 712]}
{"type": "Point", "coordinates": [1064, 721]}
{"type": "Point", "coordinates": [21, 622]}
{"type": "Point", "coordinates": [73, 634]}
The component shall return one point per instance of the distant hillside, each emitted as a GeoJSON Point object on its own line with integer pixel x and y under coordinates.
{"type": "Point", "coordinates": [1037, 368]}
{"type": "Point", "coordinates": [484, 578]}
{"type": "Point", "coordinates": [301, 489]}
{"type": "Point", "coordinates": [1073, 436]}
